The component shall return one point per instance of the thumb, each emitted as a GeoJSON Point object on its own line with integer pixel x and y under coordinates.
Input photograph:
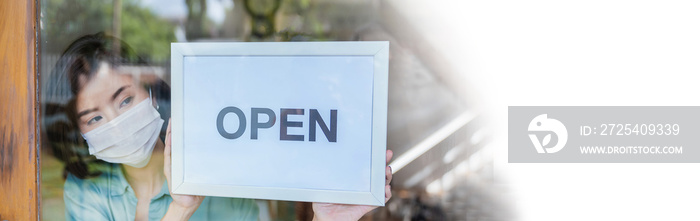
{"type": "Point", "coordinates": [166, 156]}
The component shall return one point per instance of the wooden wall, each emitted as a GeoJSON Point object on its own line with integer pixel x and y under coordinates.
{"type": "Point", "coordinates": [19, 195]}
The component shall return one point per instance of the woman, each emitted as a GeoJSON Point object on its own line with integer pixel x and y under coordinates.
{"type": "Point", "coordinates": [117, 114]}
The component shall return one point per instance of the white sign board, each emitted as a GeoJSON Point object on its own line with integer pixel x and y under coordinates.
{"type": "Point", "coordinates": [299, 121]}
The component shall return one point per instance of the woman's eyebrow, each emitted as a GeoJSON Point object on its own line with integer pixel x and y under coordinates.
{"type": "Point", "coordinates": [114, 96]}
{"type": "Point", "coordinates": [119, 91]}
{"type": "Point", "coordinates": [86, 112]}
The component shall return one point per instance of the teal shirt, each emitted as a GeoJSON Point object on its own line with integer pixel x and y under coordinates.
{"type": "Point", "coordinates": [110, 197]}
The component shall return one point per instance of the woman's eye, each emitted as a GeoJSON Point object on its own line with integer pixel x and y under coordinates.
{"type": "Point", "coordinates": [94, 120]}
{"type": "Point", "coordinates": [126, 101]}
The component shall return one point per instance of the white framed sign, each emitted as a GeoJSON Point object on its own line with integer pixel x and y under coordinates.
{"type": "Point", "coordinates": [298, 121]}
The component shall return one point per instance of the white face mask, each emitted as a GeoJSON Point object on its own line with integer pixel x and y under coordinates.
{"type": "Point", "coordinates": [128, 138]}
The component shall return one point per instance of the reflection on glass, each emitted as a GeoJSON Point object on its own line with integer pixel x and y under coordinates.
{"type": "Point", "coordinates": [420, 102]}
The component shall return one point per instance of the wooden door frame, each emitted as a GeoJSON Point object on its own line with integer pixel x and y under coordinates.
{"type": "Point", "coordinates": [19, 111]}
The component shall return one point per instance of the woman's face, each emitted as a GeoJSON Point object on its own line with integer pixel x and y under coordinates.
{"type": "Point", "coordinates": [105, 96]}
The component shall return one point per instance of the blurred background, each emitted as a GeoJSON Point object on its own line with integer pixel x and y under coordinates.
{"type": "Point", "coordinates": [443, 151]}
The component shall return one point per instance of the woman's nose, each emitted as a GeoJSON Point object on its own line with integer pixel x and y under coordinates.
{"type": "Point", "coordinates": [110, 114]}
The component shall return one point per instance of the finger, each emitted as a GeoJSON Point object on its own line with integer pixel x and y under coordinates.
{"type": "Point", "coordinates": [389, 175]}
{"type": "Point", "coordinates": [389, 155]}
{"type": "Point", "coordinates": [387, 193]}
{"type": "Point", "coordinates": [168, 139]}
{"type": "Point", "coordinates": [166, 155]}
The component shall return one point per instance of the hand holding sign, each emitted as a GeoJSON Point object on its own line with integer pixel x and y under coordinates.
{"type": "Point", "coordinates": [333, 211]}
{"type": "Point", "coordinates": [183, 206]}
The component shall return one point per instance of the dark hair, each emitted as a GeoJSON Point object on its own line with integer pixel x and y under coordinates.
{"type": "Point", "coordinates": [76, 66]}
